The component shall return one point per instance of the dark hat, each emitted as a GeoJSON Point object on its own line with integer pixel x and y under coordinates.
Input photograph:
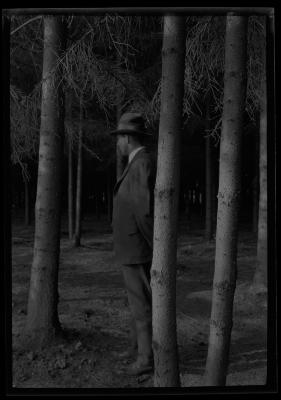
{"type": "Point", "coordinates": [131, 124]}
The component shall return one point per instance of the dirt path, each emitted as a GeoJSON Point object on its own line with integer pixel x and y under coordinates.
{"type": "Point", "coordinates": [94, 314]}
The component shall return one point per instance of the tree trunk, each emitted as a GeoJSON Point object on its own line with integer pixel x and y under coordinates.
{"type": "Point", "coordinates": [70, 190]}
{"type": "Point", "coordinates": [255, 187]}
{"type": "Point", "coordinates": [26, 203]}
{"type": "Point", "coordinates": [42, 316]}
{"type": "Point", "coordinates": [97, 205]}
{"type": "Point", "coordinates": [70, 183]}
{"type": "Point", "coordinates": [228, 201]}
{"type": "Point", "coordinates": [163, 273]}
{"type": "Point", "coordinates": [209, 175]}
{"type": "Point", "coordinates": [109, 197]}
{"type": "Point", "coordinates": [6, 169]}
{"type": "Point", "coordinates": [260, 277]}
{"type": "Point", "coordinates": [79, 180]}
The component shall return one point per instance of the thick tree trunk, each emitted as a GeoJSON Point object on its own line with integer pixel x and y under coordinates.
{"type": "Point", "coordinates": [26, 203]}
{"type": "Point", "coordinates": [78, 219]}
{"type": "Point", "coordinates": [163, 274]}
{"type": "Point", "coordinates": [208, 182]}
{"type": "Point", "coordinates": [42, 316]}
{"type": "Point", "coordinates": [260, 277]}
{"type": "Point", "coordinates": [228, 201]}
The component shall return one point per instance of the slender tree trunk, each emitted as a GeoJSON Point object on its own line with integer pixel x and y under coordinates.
{"type": "Point", "coordinates": [260, 277]}
{"type": "Point", "coordinates": [228, 201]}
{"type": "Point", "coordinates": [42, 316]}
{"type": "Point", "coordinates": [208, 175]}
{"type": "Point", "coordinates": [6, 169]}
{"type": "Point", "coordinates": [70, 190]}
{"type": "Point", "coordinates": [255, 188]}
{"type": "Point", "coordinates": [97, 205]}
{"type": "Point", "coordinates": [163, 274]}
{"type": "Point", "coordinates": [70, 175]}
{"type": "Point", "coordinates": [79, 181]}
{"type": "Point", "coordinates": [109, 197]}
{"type": "Point", "coordinates": [26, 203]}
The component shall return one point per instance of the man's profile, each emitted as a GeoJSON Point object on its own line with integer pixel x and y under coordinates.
{"type": "Point", "coordinates": [132, 223]}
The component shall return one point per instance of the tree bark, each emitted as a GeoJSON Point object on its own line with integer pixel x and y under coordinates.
{"type": "Point", "coordinates": [42, 316]}
{"type": "Point", "coordinates": [163, 273]}
{"type": "Point", "coordinates": [77, 238]}
{"type": "Point", "coordinates": [70, 182]}
{"type": "Point", "coordinates": [26, 203]}
{"type": "Point", "coordinates": [208, 182]}
{"type": "Point", "coordinates": [228, 201]}
{"type": "Point", "coordinates": [260, 276]}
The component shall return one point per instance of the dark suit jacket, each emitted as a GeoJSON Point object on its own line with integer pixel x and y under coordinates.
{"type": "Point", "coordinates": [132, 218]}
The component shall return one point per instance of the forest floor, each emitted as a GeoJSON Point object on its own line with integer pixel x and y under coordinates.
{"type": "Point", "coordinates": [94, 313]}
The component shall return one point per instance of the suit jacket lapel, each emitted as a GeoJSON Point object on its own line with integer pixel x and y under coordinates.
{"type": "Point", "coordinates": [117, 184]}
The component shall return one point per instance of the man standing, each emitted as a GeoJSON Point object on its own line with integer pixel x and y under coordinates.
{"type": "Point", "coordinates": [133, 233]}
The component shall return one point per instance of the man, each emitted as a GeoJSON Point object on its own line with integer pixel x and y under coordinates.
{"type": "Point", "coordinates": [132, 223]}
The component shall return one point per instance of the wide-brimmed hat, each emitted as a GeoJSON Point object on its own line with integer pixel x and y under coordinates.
{"type": "Point", "coordinates": [131, 124]}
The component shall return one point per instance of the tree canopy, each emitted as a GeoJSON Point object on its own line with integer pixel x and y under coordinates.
{"type": "Point", "coordinates": [114, 60]}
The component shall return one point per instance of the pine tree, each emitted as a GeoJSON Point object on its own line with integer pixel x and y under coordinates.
{"type": "Point", "coordinates": [163, 274]}
{"type": "Point", "coordinates": [228, 200]}
{"type": "Point", "coordinates": [42, 316]}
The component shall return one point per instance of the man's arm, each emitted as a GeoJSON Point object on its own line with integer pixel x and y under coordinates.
{"type": "Point", "coordinates": [142, 190]}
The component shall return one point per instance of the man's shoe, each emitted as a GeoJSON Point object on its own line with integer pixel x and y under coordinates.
{"type": "Point", "coordinates": [138, 368]}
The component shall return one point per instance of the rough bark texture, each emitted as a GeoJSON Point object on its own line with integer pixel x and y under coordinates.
{"type": "Point", "coordinates": [228, 201]}
{"type": "Point", "coordinates": [163, 274]}
{"type": "Point", "coordinates": [260, 277]}
{"type": "Point", "coordinates": [42, 317]}
{"type": "Point", "coordinates": [79, 182]}
{"type": "Point", "coordinates": [208, 182]}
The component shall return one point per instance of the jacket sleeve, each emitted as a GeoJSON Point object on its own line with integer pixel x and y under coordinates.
{"type": "Point", "coordinates": [142, 191]}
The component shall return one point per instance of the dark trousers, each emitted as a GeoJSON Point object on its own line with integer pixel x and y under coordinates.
{"type": "Point", "coordinates": [137, 281]}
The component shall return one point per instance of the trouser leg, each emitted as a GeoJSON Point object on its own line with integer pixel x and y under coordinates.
{"type": "Point", "coordinates": [137, 280]}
